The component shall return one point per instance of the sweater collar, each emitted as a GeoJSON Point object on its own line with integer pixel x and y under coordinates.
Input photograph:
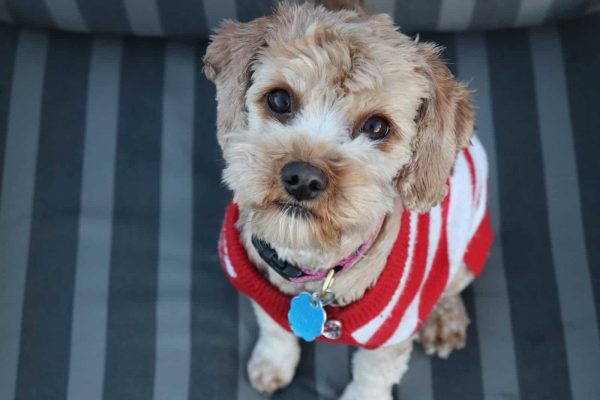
{"type": "Point", "coordinates": [248, 280]}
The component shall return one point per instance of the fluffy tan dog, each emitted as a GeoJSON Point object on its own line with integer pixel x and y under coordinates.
{"type": "Point", "coordinates": [330, 122]}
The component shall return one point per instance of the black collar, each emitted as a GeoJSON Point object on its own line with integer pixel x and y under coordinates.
{"type": "Point", "coordinates": [269, 255]}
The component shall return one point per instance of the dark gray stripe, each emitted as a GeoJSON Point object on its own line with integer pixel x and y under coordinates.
{"type": "Point", "coordinates": [564, 9]}
{"type": "Point", "coordinates": [416, 383]}
{"type": "Point", "coordinates": [33, 12]}
{"type": "Point", "coordinates": [66, 14]}
{"type": "Point", "coordinates": [105, 16]}
{"type": "Point", "coordinates": [496, 344]}
{"type": "Point", "coordinates": [330, 375]}
{"type": "Point", "coordinates": [382, 6]}
{"type": "Point", "coordinates": [593, 7]}
{"type": "Point", "coordinates": [247, 336]}
{"type": "Point", "coordinates": [449, 381]}
{"type": "Point", "coordinates": [9, 36]}
{"type": "Point", "coordinates": [303, 386]}
{"type": "Point", "coordinates": [564, 215]}
{"type": "Point", "coordinates": [248, 10]}
{"type": "Point", "coordinates": [494, 14]}
{"type": "Point", "coordinates": [216, 12]}
{"type": "Point", "coordinates": [183, 17]}
{"type": "Point", "coordinates": [532, 12]}
{"type": "Point", "coordinates": [582, 64]}
{"type": "Point", "coordinates": [88, 337]}
{"type": "Point", "coordinates": [48, 302]}
{"type": "Point", "coordinates": [143, 17]}
{"type": "Point", "coordinates": [420, 381]}
{"type": "Point", "coordinates": [17, 196]}
{"type": "Point", "coordinates": [175, 245]}
{"type": "Point", "coordinates": [416, 15]}
{"type": "Point", "coordinates": [214, 304]}
{"type": "Point", "coordinates": [537, 324]}
{"type": "Point", "coordinates": [460, 375]}
{"type": "Point", "coordinates": [4, 11]}
{"type": "Point", "coordinates": [131, 331]}
{"type": "Point", "coordinates": [455, 15]}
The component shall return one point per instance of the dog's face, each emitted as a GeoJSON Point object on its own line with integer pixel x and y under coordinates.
{"type": "Point", "coordinates": [325, 118]}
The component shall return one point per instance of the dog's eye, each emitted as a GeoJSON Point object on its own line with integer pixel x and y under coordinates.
{"type": "Point", "coordinates": [376, 128]}
{"type": "Point", "coordinates": [279, 101]}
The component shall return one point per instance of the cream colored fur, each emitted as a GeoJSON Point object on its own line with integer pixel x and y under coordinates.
{"type": "Point", "coordinates": [340, 67]}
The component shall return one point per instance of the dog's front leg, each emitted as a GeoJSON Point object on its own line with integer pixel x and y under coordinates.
{"type": "Point", "coordinates": [374, 372]}
{"type": "Point", "coordinates": [275, 355]}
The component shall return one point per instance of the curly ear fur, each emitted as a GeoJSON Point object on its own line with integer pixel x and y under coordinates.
{"type": "Point", "coordinates": [444, 127]}
{"type": "Point", "coordinates": [227, 64]}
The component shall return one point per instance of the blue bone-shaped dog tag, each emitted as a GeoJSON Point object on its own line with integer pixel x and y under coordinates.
{"type": "Point", "coordinates": [306, 316]}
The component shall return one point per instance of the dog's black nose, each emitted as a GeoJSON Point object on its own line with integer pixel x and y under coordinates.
{"type": "Point", "coordinates": [303, 181]}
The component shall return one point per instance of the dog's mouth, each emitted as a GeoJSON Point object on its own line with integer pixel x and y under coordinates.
{"type": "Point", "coordinates": [294, 210]}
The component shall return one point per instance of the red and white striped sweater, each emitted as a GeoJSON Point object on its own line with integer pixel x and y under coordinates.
{"type": "Point", "coordinates": [428, 252]}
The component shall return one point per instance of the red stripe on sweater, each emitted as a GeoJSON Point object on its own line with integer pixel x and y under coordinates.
{"type": "Point", "coordinates": [415, 279]}
{"type": "Point", "coordinates": [248, 280]}
{"type": "Point", "coordinates": [479, 246]}
{"type": "Point", "coordinates": [438, 276]}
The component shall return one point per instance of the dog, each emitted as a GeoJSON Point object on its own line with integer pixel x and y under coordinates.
{"type": "Point", "coordinates": [359, 191]}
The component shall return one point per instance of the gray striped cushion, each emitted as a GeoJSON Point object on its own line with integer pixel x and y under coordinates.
{"type": "Point", "coordinates": [195, 18]}
{"type": "Point", "coordinates": [111, 202]}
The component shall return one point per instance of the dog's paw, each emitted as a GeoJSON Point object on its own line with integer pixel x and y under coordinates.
{"type": "Point", "coordinates": [272, 365]}
{"type": "Point", "coordinates": [446, 328]}
{"type": "Point", "coordinates": [356, 391]}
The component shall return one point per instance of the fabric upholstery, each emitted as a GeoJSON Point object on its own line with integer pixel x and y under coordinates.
{"type": "Point", "coordinates": [111, 204]}
{"type": "Point", "coordinates": [196, 18]}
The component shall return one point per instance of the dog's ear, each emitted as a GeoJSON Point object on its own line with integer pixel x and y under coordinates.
{"type": "Point", "coordinates": [227, 63]}
{"type": "Point", "coordinates": [444, 124]}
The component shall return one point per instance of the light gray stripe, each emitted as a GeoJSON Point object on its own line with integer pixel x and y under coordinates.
{"type": "Point", "coordinates": [88, 337]}
{"type": "Point", "coordinates": [455, 15]}
{"type": "Point", "coordinates": [382, 6]}
{"type": "Point", "coordinates": [247, 336]}
{"type": "Point", "coordinates": [143, 16]}
{"type": "Point", "coordinates": [532, 12]}
{"type": "Point", "coordinates": [564, 216]}
{"type": "Point", "coordinates": [417, 383]}
{"type": "Point", "coordinates": [173, 342]}
{"type": "Point", "coordinates": [498, 364]}
{"type": "Point", "coordinates": [17, 197]}
{"type": "Point", "coordinates": [4, 11]}
{"type": "Point", "coordinates": [217, 11]}
{"type": "Point", "coordinates": [331, 369]}
{"type": "Point", "coordinates": [66, 14]}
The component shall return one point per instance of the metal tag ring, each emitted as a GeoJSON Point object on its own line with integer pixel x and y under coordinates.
{"type": "Point", "coordinates": [327, 297]}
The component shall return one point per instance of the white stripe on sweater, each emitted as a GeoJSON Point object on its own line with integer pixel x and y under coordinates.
{"type": "Point", "coordinates": [481, 185]}
{"type": "Point", "coordinates": [228, 265]}
{"type": "Point", "coordinates": [460, 214]}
